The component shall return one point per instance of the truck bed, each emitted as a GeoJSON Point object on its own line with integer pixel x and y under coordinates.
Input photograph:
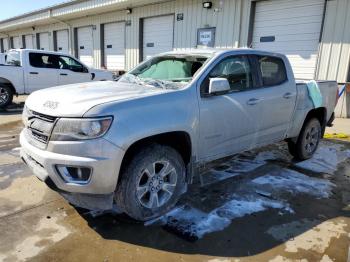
{"type": "Point", "coordinates": [304, 103]}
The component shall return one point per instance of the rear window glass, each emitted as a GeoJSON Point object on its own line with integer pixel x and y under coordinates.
{"type": "Point", "coordinates": [43, 60]}
{"type": "Point", "coordinates": [13, 58]}
{"type": "Point", "coordinates": [273, 71]}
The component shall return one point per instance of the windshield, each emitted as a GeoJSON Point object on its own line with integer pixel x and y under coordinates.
{"type": "Point", "coordinates": [13, 58]}
{"type": "Point", "coordinates": [169, 71]}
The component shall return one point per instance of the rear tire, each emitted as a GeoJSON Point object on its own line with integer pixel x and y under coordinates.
{"type": "Point", "coordinates": [151, 183]}
{"type": "Point", "coordinates": [6, 96]}
{"type": "Point", "coordinates": [308, 139]}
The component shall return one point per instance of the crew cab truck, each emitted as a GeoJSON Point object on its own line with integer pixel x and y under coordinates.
{"type": "Point", "coordinates": [24, 71]}
{"type": "Point", "coordinates": [137, 143]}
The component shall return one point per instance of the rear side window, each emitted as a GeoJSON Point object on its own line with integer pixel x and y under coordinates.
{"type": "Point", "coordinates": [273, 71]}
{"type": "Point", "coordinates": [43, 60]}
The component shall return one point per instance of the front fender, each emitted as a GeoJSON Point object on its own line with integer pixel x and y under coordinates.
{"type": "Point", "coordinates": [148, 116]}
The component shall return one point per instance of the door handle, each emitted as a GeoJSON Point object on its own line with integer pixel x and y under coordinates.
{"type": "Point", "coordinates": [33, 73]}
{"type": "Point", "coordinates": [287, 95]}
{"type": "Point", "coordinates": [253, 101]}
{"type": "Point", "coordinates": [63, 74]}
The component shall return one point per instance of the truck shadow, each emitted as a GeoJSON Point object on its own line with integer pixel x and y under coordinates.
{"type": "Point", "coordinates": [254, 222]}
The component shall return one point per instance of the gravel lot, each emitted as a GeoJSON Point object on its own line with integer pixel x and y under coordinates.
{"type": "Point", "coordinates": [259, 205]}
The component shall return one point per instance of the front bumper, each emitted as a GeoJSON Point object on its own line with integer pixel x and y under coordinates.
{"type": "Point", "coordinates": [103, 157]}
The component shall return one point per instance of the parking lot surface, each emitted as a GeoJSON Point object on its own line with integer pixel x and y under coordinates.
{"type": "Point", "coordinates": [260, 205]}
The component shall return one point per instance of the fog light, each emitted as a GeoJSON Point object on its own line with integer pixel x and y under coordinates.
{"type": "Point", "coordinates": [74, 174]}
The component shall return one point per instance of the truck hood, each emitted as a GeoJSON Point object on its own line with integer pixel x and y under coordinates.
{"type": "Point", "coordinates": [76, 99]}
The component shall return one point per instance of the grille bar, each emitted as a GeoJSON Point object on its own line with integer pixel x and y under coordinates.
{"type": "Point", "coordinates": [39, 128]}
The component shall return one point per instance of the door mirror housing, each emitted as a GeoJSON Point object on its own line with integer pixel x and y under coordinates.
{"type": "Point", "coordinates": [218, 85]}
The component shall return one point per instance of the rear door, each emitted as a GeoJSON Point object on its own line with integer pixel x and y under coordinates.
{"type": "Point", "coordinates": [71, 71]}
{"type": "Point", "coordinates": [278, 98]}
{"type": "Point", "coordinates": [230, 122]}
{"type": "Point", "coordinates": [42, 71]}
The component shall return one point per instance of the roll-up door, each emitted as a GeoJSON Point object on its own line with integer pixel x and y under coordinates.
{"type": "Point", "coordinates": [44, 39]}
{"type": "Point", "coordinates": [62, 39]}
{"type": "Point", "coordinates": [292, 28]}
{"type": "Point", "coordinates": [85, 45]}
{"type": "Point", "coordinates": [28, 39]}
{"type": "Point", "coordinates": [114, 46]}
{"type": "Point", "coordinates": [158, 33]}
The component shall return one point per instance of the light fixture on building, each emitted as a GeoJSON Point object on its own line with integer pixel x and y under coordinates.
{"type": "Point", "coordinates": [207, 5]}
{"type": "Point", "coordinates": [129, 11]}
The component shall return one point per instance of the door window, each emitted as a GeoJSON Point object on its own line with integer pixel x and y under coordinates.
{"type": "Point", "coordinates": [13, 58]}
{"type": "Point", "coordinates": [236, 69]}
{"type": "Point", "coordinates": [273, 71]}
{"type": "Point", "coordinates": [42, 60]}
{"type": "Point", "coordinates": [69, 63]}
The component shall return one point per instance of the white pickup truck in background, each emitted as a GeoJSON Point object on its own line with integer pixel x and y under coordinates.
{"type": "Point", "coordinates": [23, 71]}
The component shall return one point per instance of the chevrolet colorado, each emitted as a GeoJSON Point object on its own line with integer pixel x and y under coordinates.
{"type": "Point", "coordinates": [23, 71]}
{"type": "Point", "coordinates": [138, 142]}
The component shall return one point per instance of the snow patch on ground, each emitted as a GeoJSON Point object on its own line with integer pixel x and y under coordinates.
{"type": "Point", "coordinates": [295, 183]}
{"type": "Point", "coordinates": [257, 195]}
{"type": "Point", "coordinates": [326, 158]}
{"type": "Point", "coordinates": [194, 223]}
{"type": "Point", "coordinates": [239, 164]}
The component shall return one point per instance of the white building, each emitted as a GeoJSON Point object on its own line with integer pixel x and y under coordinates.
{"type": "Point", "coordinates": [117, 34]}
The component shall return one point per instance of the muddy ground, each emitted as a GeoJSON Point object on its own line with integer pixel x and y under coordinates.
{"type": "Point", "coordinates": [257, 206]}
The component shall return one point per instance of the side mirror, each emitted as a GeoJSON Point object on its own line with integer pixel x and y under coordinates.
{"type": "Point", "coordinates": [218, 85]}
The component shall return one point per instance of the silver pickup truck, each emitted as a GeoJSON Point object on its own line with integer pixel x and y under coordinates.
{"type": "Point", "coordinates": [137, 143]}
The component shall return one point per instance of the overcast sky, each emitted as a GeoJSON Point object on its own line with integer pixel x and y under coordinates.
{"type": "Point", "coordinates": [11, 8]}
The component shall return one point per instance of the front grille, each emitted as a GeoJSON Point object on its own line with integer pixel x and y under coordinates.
{"type": "Point", "coordinates": [39, 128]}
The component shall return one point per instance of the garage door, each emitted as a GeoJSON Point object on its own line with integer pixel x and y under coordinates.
{"type": "Point", "coordinates": [5, 43]}
{"type": "Point", "coordinates": [16, 42]}
{"type": "Point", "coordinates": [114, 46]}
{"type": "Point", "coordinates": [292, 28]}
{"type": "Point", "coordinates": [28, 39]}
{"type": "Point", "coordinates": [158, 35]}
{"type": "Point", "coordinates": [62, 41]}
{"type": "Point", "coordinates": [85, 45]}
{"type": "Point", "coordinates": [44, 40]}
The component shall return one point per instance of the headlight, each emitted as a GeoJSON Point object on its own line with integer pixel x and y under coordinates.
{"type": "Point", "coordinates": [71, 129]}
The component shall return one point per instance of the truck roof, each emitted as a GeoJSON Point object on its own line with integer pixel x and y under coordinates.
{"type": "Point", "coordinates": [39, 51]}
{"type": "Point", "coordinates": [216, 51]}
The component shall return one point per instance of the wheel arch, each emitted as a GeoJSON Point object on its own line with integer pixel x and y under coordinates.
{"type": "Point", "coordinates": [179, 140]}
{"type": "Point", "coordinates": [5, 82]}
{"type": "Point", "coordinates": [320, 114]}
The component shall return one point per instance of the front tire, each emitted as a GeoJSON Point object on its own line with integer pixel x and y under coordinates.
{"type": "Point", "coordinates": [308, 139]}
{"type": "Point", "coordinates": [151, 183]}
{"type": "Point", "coordinates": [6, 96]}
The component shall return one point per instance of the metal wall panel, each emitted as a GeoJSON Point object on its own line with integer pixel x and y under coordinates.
{"type": "Point", "coordinates": [229, 17]}
{"type": "Point", "coordinates": [335, 45]}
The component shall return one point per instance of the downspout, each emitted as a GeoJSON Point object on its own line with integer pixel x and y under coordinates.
{"type": "Point", "coordinates": [70, 29]}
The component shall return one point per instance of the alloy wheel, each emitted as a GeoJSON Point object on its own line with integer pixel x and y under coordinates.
{"type": "Point", "coordinates": [156, 184]}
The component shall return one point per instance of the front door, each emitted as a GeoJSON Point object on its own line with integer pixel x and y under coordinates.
{"type": "Point", "coordinates": [42, 71]}
{"type": "Point", "coordinates": [71, 71]}
{"type": "Point", "coordinates": [229, 122]}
